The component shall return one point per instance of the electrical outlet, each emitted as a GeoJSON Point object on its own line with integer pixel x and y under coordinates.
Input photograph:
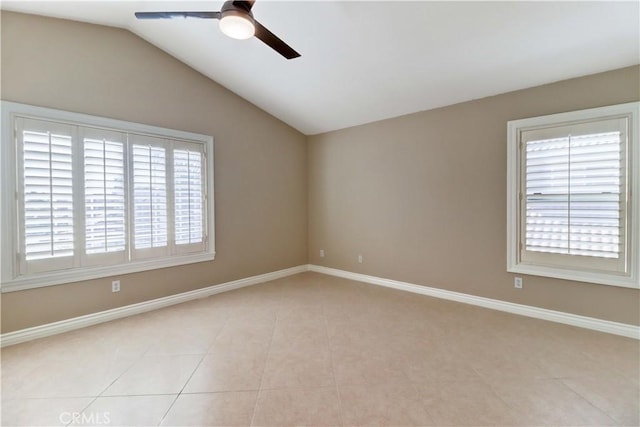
{"type": "Point", "coordinates": [360, 259]}
{"type": "Point", "coordinates": [321, 253]}
{"type": "Point", "coordinates": [115, 286]}
{"type": "Point", "coordinates": [517, 282]}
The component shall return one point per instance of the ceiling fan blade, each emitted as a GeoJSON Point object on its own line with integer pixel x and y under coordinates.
{"type": "Point", "coordinates": [246, 5]}
{"type": "Point", "coordinates": [171, 15]}
{"type": "Point", "coordinates": [274, 42]}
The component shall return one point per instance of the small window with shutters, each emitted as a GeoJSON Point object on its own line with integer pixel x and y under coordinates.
{"type": "Point", "coordinates": [572, 211]}
{"type": "Point", "coordinates": [86, 197]}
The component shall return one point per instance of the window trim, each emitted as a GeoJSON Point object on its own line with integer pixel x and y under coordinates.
{"type": "Point", "coordinates": [8, 199]}
{"type": "Point", "coordinates": [514, 127]}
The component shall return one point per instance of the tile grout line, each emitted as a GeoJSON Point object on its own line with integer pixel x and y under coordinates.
{"type": "Point", "coordinates": [333, 368]}
{"type": "Point", "coordinates": [180, 392]}
{"type": "Point", "coordinates": [562, 381]}
{"type": "Point", "coordinates": [556, 380]}
{"type": "Point", "coordinates": [493, 390]}
{"type": "Point", "coordinates": [264, 368]}
{"type": "Point", "coordinates": [192, 373]}
{"type": "Point", "coordinates": [83, 409]}
{"type": "Point", "coordinates": [422, 402]}
{"type": "Point", "coordinates": [95, 398]}
{"type": "Point", "coordinates": [101, 394]}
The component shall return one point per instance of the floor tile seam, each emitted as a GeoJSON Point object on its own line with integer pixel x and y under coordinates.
{"type": "Point", "coordinates": [189, 393]}
{"type": "Point", "coordinates": [290, 346]}
{"type": "Point", "coordinates": [107, 397]}
{"type": "Point", "coordinates": [569, 377]}
{"type": "Point", "coordinates": [135, 395]}
{"type": "Point", "coordinates": [609, 369]}
{"type": "Point", "coordinates": [616, 372]}
{"type": "Point", "coordinates": [296, 388]}
{"type": "Point", "coordinates": [487, 378]}
{"type": "Point", "coordinates": [512, 409]}
{"type": "Point", "coordinates": [83, 409]}
{"type": "Point", "coordinates": [29, 370]}
{"type": "Point", "coordinates": [148, 347]}
{"type": "Point", "coordinates": [9, 399]}
{"type": "Point", "coordinates": [593, 404]}
{"type": "Point", "coordinates": [333, 367]}
{"type": "Point", "coordinates": [558, 381]}
{"type": "Point", "coordinates": [131, 365]}
{"type": "Point", "coordinates": [264, 367]}
{"type": "Point", "coordinates": [138, 394]}
{"type": "Point", "coordinates": [213, 341]}
{"type": "Point", "coordinates": [422, 402]}
{"type": "Point", "coordinates": [621, 374]}
{"type": "Point", "coordinates": [173, 402]}
{"type": "Point", "coordinates": [169, 354]}
{"type": "Point", "coordinates": [66, 396]}
{"type": "Point", "coordinates": [377, 384]}
{"type": "Point", "coordinates": [182, 389]}
{"type": "Point", "coordinates": [304, 352]}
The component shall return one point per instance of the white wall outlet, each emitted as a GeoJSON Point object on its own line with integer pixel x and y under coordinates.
{"type": "Point", "coordinates": [517, 282]}
{"type": "Point", "coordinates": [360, 259]}
{"type": "Point", "coordinates": [321, 253]}
{"type": "Point", "coordinates": [115, 286]}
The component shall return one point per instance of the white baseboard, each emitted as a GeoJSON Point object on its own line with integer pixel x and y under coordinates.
{"type": "Point", "coordinates": [615, 328]}
{"type": "Point", "coordinates": [42, 331]}
{"type": "Point", "coordinates": [49, 329]}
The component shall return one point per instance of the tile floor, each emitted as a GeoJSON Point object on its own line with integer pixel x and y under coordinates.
{"type": "Point", "coordinates": [318, 350]}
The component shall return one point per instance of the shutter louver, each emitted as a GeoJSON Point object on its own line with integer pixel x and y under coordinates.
{"type": "Point", "coordinates": [48, 195]}
{"type": "Point", "coordinates": [104, 183]}
{"type": "Point", "coordinates": [149, 196]}
{"type": "Point", "coordinates": [188, 196]}
{"type": "Point", "coordinates": [573, 195]}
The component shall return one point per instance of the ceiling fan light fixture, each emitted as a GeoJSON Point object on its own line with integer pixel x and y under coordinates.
{"type": "Point", "coordinates": [237, 26]}
{"type": "Point", "coordinates": [235, 20]}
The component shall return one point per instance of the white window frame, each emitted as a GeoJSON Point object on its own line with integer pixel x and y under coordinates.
{"type": "Point", "coordinates": [9, 240]}
{"type": "Point", "coordinates": [630, 279]}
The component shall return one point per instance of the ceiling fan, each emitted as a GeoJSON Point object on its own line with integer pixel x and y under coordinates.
{"type": "Point", "coordinates": [236, 21]}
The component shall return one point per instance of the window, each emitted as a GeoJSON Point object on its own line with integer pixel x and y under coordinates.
{"type": "Point", "coordinates": [86, 197]}
{"type": "Point", "coordinates": [572, 210]}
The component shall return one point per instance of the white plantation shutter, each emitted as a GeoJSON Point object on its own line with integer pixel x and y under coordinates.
{"type": "Point", "coordinates": [86, 197]}
{"type": "Point", "coordinates": [47, 194]}
{"type": "Point", "coordinates": [150, 195]}
{"type": "Point", "coordinates": [574, 195]}
{"type": "Point", "coordinates": [188, 182]}
{"type": "Point", "coordinates": [104, 194]}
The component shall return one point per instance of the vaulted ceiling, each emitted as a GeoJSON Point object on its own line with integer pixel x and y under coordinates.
{"type": "Point", "coordinates": [366, 61]}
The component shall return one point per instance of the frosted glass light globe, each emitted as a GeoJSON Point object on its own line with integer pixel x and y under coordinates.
{"type": "Point", "coordinates": [237, 27]}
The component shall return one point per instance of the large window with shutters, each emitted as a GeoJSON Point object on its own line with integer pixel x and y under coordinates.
{"type": "Point", "coordinates": [572, 211]}
{"type": "Point", "coordinates": [86, 197]}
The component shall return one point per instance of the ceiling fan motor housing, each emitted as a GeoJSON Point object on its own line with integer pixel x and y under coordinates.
{"type": "Point", "coordinates": [236, 21]}
{"type": "Point", "coordinates": [229, 8]}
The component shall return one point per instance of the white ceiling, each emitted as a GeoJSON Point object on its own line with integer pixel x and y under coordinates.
{"type": "Point", "coordinates": [366, 61]}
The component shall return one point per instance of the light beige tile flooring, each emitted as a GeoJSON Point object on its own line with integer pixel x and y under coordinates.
{"type": "Point", "coordinates": [318, 350]}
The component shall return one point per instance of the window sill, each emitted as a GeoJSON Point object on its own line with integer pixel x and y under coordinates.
{"type": "Point", "coordinates": [81, 274]}
{"type": "Point", "coordinates": [576, 275]}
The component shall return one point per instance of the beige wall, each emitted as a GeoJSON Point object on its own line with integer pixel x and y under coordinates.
{"type": "Point", "coordinates": [423, 197]}
{"type": "Point", "coordinates": [260, 163]}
